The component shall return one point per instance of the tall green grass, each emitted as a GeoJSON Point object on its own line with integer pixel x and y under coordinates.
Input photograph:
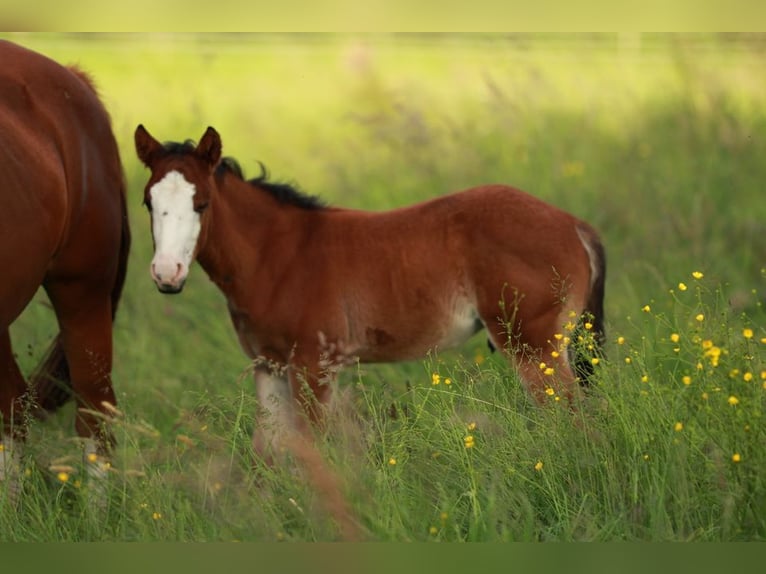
{"type": "Point", "coordinates": [657, 144]}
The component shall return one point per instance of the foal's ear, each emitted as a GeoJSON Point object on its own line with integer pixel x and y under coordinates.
{"type": "Point", "coordinates": [146, 145]}
{"type": "Point", "coordinates": [209, 147]}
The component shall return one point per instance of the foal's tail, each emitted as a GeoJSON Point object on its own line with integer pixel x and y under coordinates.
{"type": "Point", "coordinates": [51, 381]}
{"type": "Point", "coordinates": [594, 306]}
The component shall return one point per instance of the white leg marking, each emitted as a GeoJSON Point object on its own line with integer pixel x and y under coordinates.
{"type": "Point", "coordinates": [276, 401]}
{"type": "Point", "coordinates": [10, 469]}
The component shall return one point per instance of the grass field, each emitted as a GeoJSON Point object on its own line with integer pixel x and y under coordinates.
{"type": "Point", "coordinates": [658, 141]}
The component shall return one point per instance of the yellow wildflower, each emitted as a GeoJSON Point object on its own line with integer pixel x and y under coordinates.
{"type": "Point", "coordinates": [628, 360]}
{"type": "Point", "coordinates": [678, 427]}
{"type": "Point", "coordinates": [733, 401]}
{"type": "Point", "coordinates": [435, 379]}
{"type": "Point", "coordinates": [572, 314]}
{"type": "Point", "coordinates": [539, 465]}
{"type": "Point", "coordinates": [392, 461]}
{"type": "Point", "coordinates": [675, 337]}
{"type": "Point", "coordinates": [646, 308]}
{"type": "Point", "coordinates": [549, 371]}
{"type": "Point", "coordinates": [555, 354]}
{"type": "Point", "coordinates": [747, 377]}
{"type": "Point", "coordinates": [747, 333]}
{"type": "Point", "coordinates": [687, 380]}
{"type": "Point", "coordinates": [549, 391]}
{"type": "Point", "coordinates": [433, 530]}
{"type": "Point", "coordinates": [594, 361]}
{"type": "Point", "coordinates": [447, 381]}
{"type": "Point", "coordinates": [588, 326]}
{"type": "Point", "coordinates": [63, 476]}
{"type": "Point", "coordinates": [700, 317]}
{"type": "Point", "coordinates": [736, 457]}
{"type": "Point", "coordinates": [469, 441]}
{"type": "Point", "coordinates": [697, 274]}
{"type": "Point", "coordinates": [682, 286]}
{"type": "Point", "coordinates": [620, 340]}
{"type": "Point", "coordinates": [558, 336]}
{"type": "Point", "coordinates": [645, 379]}
{"type": "Point", "coordinates": [156, 515]}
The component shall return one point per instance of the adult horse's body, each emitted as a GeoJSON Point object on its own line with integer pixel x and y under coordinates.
{"type": "Point", "coordinates": [63, 225]}
{"type": "Point", "coordinates": [309, 287]}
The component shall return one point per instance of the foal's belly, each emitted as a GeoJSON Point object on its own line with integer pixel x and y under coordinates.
{"type": "Point", "coordinates": [408, 339]}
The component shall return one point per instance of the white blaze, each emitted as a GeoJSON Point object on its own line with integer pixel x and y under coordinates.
{"type": "Point", "coordinates": [175, 227]}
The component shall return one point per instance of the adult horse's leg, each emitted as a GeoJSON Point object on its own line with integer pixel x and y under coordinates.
{"type": "Point", "coordinates": [12, 392]}
{"type": "Point", "coordinates": [84, 311]}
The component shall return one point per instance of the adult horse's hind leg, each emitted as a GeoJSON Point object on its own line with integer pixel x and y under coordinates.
{"type": "Point", "coordinates": [84, 313]}
{"type": "Point", "coordinates": [12, 392]}
{"type": "Point", "coordinates": [13, 389]}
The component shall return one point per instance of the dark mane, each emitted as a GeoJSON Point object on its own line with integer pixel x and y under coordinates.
{"type": "Point", "coordinates": [178, 148]}
{"type": "Point", "coordinates": [282, 192]}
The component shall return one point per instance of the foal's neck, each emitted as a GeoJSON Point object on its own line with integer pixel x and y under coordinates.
{"type": "Point", "coordinates": [246, 225]}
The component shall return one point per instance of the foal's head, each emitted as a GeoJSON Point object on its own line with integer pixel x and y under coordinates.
{"type": "Point", "coordinates": [177, 195]}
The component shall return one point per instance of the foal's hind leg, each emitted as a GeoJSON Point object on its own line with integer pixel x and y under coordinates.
{"type": "Point", "coordinates": [542, 370]}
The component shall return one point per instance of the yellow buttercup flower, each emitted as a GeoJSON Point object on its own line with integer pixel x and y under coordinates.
{"type": "Point", "coordinates": [736, 457]}
{"type": "Point", "coordinates": [687, 380]}
{"type": "Point", "coordinates": [549, 391]}
{"type": "Point", "coordinates": [646, 308]}
{"type": "Point", "coordinates": [539, 465]}
{"type": "Point", "coordinates": [675, 337]}
{"type": "Point", "coordinates": [435, 379]}
{"type": "Point", "coordinates": [747, 377]}
{"type": "Point", "coordinates": [747, 333]}
{"type": "Point", "coordinates": [682, 286]}
{"type": "Point", "coordinates": [469, 441]}
{"type": "Point", "coordinates": [733, 401]}
{"type": "Point", "coordinates": [700, 317]}
{"type": "Point", "coordinates": [697, 274]}
{"type": "Point", "coordinates": [392, 461]}
{"type": "Point", "coordinates": [678, 427]}
{"type": "Point", "coordinates": [549, 371]}
{"type": "Point", "coordinates": [63, 476]}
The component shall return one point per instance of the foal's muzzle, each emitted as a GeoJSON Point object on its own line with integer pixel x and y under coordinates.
{"type": "Point", "coordinates": [169, 276]}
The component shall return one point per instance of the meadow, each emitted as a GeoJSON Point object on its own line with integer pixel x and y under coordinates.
{"type": "Point", "coordinates": [658, 141]}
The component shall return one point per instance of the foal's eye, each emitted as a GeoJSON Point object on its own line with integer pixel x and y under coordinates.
{"type": "Point", "coordinates": [200, 207]}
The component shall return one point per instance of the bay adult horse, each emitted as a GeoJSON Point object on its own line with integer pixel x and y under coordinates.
{"type": "Point", "coordinates": [63, 225]}
{"type": "Point", "coordinates": [310, 287]}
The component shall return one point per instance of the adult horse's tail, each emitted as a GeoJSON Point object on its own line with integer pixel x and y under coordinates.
{"type": "Point", "coordinates": [594, 306]}
{"type": "Point", "coordinates": [51, 382]}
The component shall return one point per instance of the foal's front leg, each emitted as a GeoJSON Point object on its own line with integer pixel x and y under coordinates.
{"type": "Point", "coordinates": [277, 412]}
